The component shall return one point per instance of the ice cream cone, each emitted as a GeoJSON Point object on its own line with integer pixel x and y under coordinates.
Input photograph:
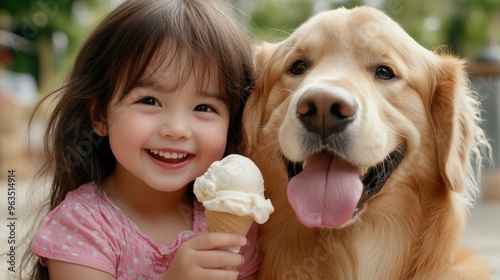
{"type": "Point", "coordinates": [226, 222]}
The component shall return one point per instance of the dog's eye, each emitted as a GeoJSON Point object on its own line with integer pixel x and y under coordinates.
{"type": "Point", "coordinates": [384, 73]}
{"type": "Point", "coordinates": [298, 67]}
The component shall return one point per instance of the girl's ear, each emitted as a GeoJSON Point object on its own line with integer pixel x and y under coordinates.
{"type": "Point", "coordinates": [99, 123]}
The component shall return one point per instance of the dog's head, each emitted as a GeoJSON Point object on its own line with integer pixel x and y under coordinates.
{"type": "Point", "coordinates": [349, 101]}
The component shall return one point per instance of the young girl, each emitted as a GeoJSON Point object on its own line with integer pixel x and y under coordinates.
{"type": "Point", "coordinates": [154, 97]}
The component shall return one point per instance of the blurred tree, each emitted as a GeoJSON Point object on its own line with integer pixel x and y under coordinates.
{"type": "Point", "coordinates": [53, 27]}
{"type": "Point", "coordinates": [473, 25]}
{"type": "Point", "coordinates": [464, 25]}
{"type": "Point", "coordinates": [276, 19]}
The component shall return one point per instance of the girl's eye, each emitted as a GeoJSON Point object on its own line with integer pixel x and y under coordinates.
{"type": "Point", "coordinates": [149, 101]}
{"type": "Point", "coordinates": [204, 108]}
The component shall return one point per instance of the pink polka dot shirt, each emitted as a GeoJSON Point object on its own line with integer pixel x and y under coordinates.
{"type": "Point", "coordinates": [89, 230]}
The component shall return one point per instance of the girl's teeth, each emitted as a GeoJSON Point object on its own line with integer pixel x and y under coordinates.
{"type": "Point", "coordinates": [168, 155]}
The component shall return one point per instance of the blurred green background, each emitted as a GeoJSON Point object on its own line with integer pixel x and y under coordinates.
{"type": "Point", "coordinates": [41, 37]}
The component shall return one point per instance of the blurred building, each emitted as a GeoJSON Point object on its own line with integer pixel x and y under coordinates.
{"type": "Point", "coordinates": [18, 94]}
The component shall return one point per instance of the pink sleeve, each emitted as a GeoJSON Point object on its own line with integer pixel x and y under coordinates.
{"type": "Point", "coordinates": [77, 233]}
{"type": "Point", "coordinates": [251, 253]}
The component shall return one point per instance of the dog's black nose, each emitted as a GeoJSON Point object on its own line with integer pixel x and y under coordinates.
{"type": "Point", "coordinates": [325, 111]}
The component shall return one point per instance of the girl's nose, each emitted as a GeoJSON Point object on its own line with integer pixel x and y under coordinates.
{"type": "Point", "coordinates": [176, 127]}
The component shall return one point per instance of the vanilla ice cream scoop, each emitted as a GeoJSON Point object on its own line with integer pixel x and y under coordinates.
{"type": "Point", "coordinates": [234, 185]}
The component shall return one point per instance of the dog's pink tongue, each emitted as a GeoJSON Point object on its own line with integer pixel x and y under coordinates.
{"type": "Point", "coordinates": [326, 192]}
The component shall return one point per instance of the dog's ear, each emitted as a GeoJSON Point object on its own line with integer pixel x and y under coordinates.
{"type": "Point", "coordinates": [255, 107]}
{"type": "Point", "coordinates": [455, 116]}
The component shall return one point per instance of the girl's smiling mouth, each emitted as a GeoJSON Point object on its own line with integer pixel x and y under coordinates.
{"type": "Point", "coordinates": [167, 159]}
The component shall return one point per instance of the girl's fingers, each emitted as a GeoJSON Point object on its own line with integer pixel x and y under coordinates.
{"type": "Point", "coordinates": [221, 274]}
{"type": "Point", "coordinates": [213, 240]}
{"type": "Point", "coordinates": [219, 259]}
{"type": "Point", "coordinates": [197, 272]}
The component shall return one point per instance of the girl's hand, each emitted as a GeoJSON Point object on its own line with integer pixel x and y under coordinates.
{"type": "Point", "coordinates": [202, 258]}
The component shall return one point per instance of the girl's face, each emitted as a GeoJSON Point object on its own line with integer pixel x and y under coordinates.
{"type": "Point", "coordinates": [166, 135]}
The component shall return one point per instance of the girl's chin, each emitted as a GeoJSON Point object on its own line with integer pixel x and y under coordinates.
{"type": "Point", "coordinates": [168, 185]}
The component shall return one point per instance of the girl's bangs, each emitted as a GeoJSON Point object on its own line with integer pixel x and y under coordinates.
{"type": "Point", "coordinates": [182, 62]}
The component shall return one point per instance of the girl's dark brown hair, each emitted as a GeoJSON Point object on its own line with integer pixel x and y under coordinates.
{"type": "Point", "coordinates": [112, 60]}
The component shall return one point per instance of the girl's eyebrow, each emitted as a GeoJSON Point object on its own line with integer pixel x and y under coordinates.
{"type": "Point", "coordinates": [210, 94]}
{"type": "Point", "coordinates": [152, 83]}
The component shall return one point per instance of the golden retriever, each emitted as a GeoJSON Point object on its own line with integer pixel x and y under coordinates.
{"type": "Point", "coordinates": [365, 140]}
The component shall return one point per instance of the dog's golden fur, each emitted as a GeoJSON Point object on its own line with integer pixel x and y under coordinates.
{"type": "Point", "coordinates": [412, 228]}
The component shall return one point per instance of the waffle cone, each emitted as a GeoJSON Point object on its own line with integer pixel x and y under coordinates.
{"type": "Point", "coordinates": [226, 222]}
